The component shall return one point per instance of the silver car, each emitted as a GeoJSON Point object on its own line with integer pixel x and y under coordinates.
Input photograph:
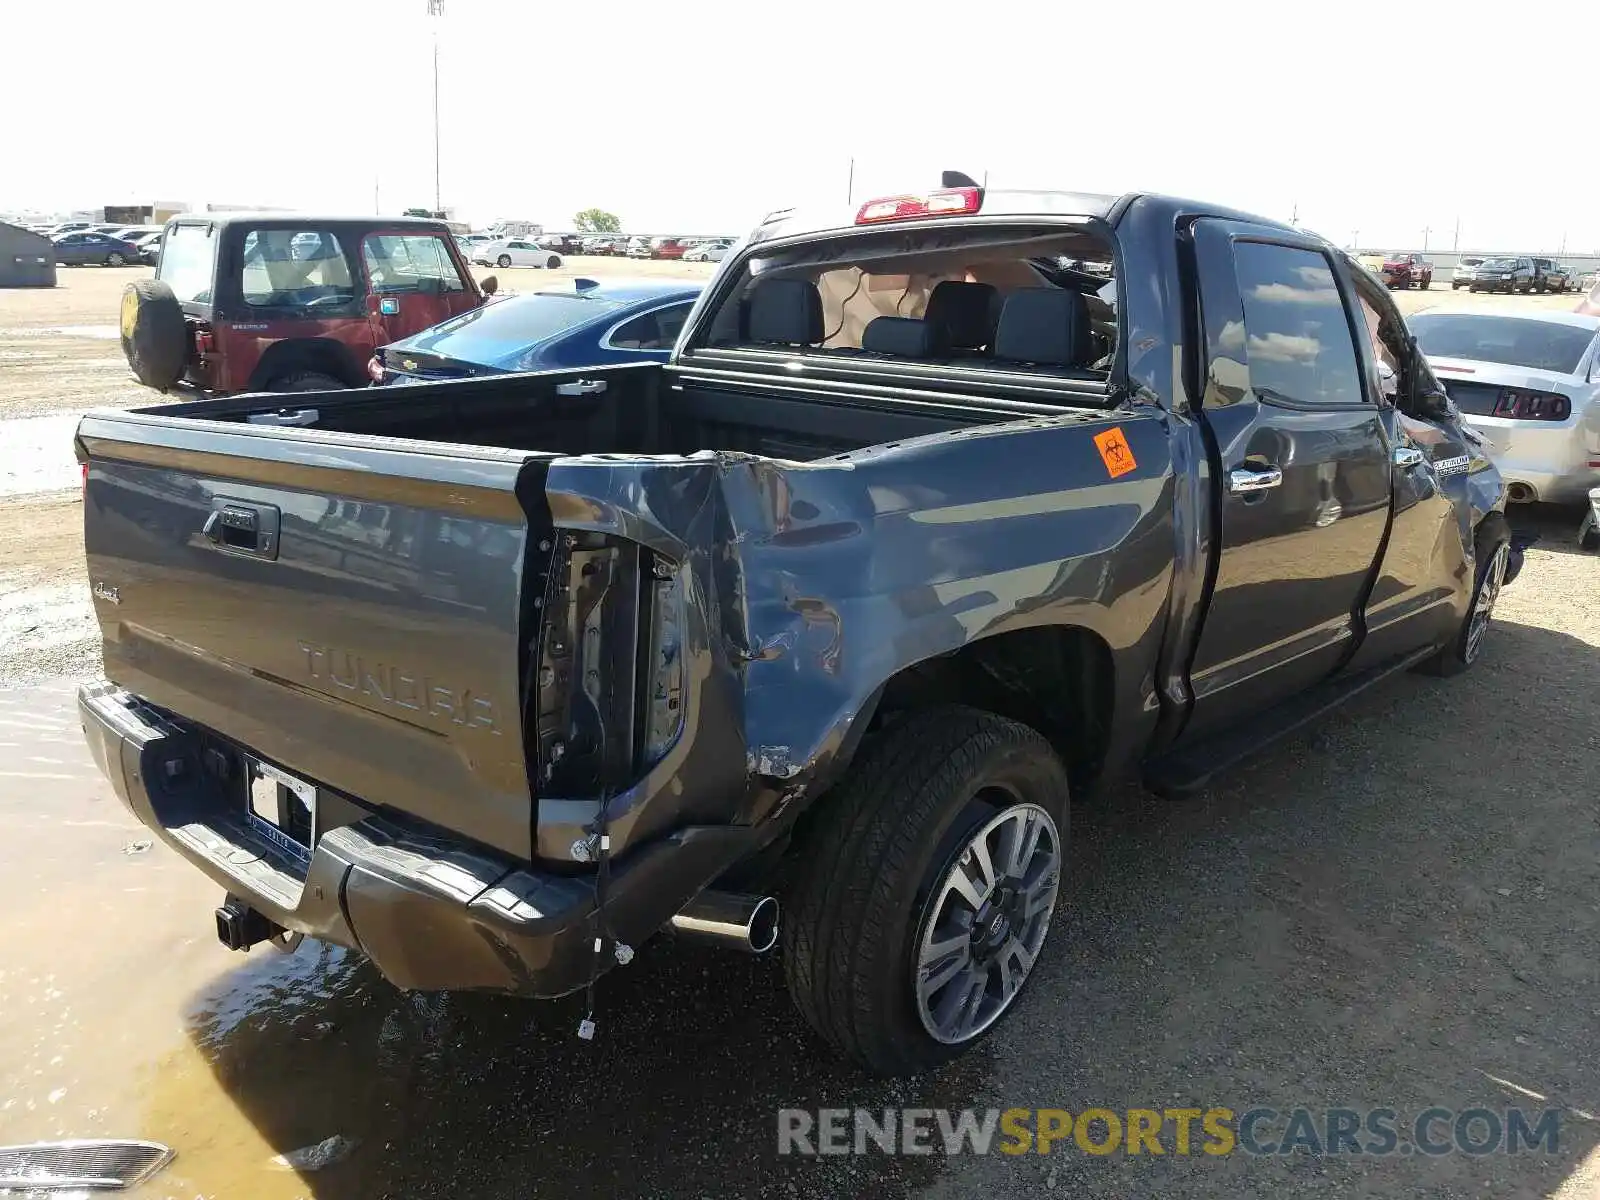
{"type": "Point", "coordinates": [1466, 271]}
{"type": "Point", "coordinates": [1528, 382]}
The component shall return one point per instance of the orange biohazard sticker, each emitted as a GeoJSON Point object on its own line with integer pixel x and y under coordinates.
{"type": "Point", "coordinates": [1114, 451]}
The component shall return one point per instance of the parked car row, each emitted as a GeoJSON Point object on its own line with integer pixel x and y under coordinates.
{"type": "Point", "coordinates": [1522, 273]}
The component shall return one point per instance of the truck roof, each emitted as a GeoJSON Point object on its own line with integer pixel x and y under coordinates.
{"type": "Point", "coordinates": [1003, 202]}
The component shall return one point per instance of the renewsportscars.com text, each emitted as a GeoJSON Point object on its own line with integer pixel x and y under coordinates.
{"type": "Point", "coordinates": [1172, 1131]}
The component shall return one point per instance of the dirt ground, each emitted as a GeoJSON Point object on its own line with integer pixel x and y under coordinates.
{"type": "Point", "coordinates": [1396, 908]}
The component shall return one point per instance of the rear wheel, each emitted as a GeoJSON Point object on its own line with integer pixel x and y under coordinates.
{"type": "Point", "coordinates": [931, 877]}
{"type": "Point", "coordinates": [114, 259]}
{"type": "Point", "coordinates": [1493, 552]}
{"type": "Point", "coordinates": [503, 261]}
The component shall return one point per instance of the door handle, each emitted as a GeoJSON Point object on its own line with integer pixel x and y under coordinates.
{"type": "Point", "coordinates": [1242, 481]}
{"type": "Point", "coordinates": [1407, 456]}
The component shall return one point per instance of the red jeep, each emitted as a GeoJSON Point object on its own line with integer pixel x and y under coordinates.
{"type": "Point", "coordinates": [250, 302]}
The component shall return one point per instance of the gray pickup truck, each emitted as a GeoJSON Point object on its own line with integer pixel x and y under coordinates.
{"type": "Point", "coordinates": [924, 529]}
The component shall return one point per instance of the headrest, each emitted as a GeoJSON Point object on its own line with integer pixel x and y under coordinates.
{"type": "Point", "coordinates": [785, 310]}
{"type": "Point", "coordinates": [906, 337]}
{"type": "Point", "coordinates": [1046, 325]}
{"type": "Point", "coordinates": [961, 314]}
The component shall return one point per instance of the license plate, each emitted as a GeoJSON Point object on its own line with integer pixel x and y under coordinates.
{"type": "Point", "coordinates": [283, 809]}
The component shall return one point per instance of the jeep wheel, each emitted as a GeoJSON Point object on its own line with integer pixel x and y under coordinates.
{"type": "Point", "coordinates": [931, 877]}
{"type": "Point", "coordinates": [155, 339]}
{"type": "Point", "coordinates": [114, 259]}
{"type": "Point", "coordinates": [1493, 546]}
{"type": "Point", "coordinates": [307, 381]}
{"type": "Point", "coordinates": [503, 261]}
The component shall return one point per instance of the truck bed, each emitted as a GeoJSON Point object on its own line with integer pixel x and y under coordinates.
{"type": "Point", "coordinates": [636, 410]}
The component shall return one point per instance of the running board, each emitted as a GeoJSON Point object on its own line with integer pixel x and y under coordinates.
{"type": "Point", "coordinates": [1191, 767]}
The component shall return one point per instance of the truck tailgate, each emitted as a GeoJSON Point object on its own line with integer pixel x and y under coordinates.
{"type": "Point", "coordinates": [351, 608]}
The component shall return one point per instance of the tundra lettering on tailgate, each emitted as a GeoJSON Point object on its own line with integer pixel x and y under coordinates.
{"type": "Point", "coordinates": [397, 687]}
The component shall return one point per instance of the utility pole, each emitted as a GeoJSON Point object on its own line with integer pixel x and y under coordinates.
{"type": "Point", "coordinates": [436, 9]}
{"type": "Point", "coordinates": [850, 190]}
{"type": "Point", "coordinates": [377, 206]}
{"type": "Point", "coordinates": [1426, 230]}
{"type": "Point", "coordinates": [1355, 239]}
{"type": "Point", "coordinates": [1294, 215]}
{"type": "Point", "coordinates": [1455, 245]}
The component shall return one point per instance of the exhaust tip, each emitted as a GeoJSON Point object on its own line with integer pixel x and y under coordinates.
{"type": "Point", "coordinates": [764, 925]}
{"type": "Point", "coordinates": [731, 921]}
{"type": "Point", "coordinates": [1521, 493]}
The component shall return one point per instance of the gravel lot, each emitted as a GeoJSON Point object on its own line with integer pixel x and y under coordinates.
{"type": "Point", "coordinates": [1396, 908]}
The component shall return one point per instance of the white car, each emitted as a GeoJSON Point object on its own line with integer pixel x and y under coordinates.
{"type": "Point", "coordinates": [515, 252]}
{"type": "Point", "coordinates": [714, 251]}
{"type": "Point", "coordinates": [1529, 383]}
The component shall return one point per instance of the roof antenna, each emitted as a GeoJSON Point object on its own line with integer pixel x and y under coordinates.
{"type": "Point", "coordinates": [955, 179]}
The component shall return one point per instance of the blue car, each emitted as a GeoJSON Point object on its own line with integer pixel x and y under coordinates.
{"type": "Point", "coordinates": [587, 325]}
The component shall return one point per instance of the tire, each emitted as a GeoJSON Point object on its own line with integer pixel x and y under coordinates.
{"type": "Point", "coordinates": [307, 381]}
{"type": "Point", "coordinates": [881, 853]}
{"type": "Point", "coordinates": [1427, 283]}
{"type": "Point", "coordinates": [1492, 552]}
{"type": "Point", "coordinates": [115, 260]}
{"type": "Point", "coordinates": [155, 340]}
{"type": "Point", "coordinates": [553, 263]}
{"type": "Point", "coordinates": [503, 261]}
{"type": "Point", "coordinates": [1456, 286]}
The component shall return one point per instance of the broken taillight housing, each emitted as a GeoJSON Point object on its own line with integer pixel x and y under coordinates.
{"type": "Point", "coordinates": [1522, 404]}
{"type": "Point", "coordinates": [663, 719]}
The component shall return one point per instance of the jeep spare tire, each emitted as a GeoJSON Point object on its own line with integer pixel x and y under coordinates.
{"type": "Point", "coordinates": [154, 337]}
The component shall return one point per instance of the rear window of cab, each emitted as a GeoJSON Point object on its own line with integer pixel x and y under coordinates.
{"type": "Point", "coordinates": [1012, 299]}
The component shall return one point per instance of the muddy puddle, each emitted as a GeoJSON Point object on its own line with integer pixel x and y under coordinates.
{"type": "Point", "coordinates": [125, 1018]}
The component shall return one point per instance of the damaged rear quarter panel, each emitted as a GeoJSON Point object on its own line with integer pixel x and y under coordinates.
{"type": "Point", "coordinates": [812, 584]}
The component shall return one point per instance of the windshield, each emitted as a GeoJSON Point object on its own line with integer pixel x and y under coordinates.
{"type": "Point", "coordinates": [499, 334]}
{"type": "Point", "coordinates": [186, 257]}
{"type": "Point", "coordinates": [1512, 341]}
{"type": "Point", "coordinates": [1500, 262]}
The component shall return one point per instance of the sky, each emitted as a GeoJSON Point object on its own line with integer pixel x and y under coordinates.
{"type": "Point", "coordinates": [1368, 120]}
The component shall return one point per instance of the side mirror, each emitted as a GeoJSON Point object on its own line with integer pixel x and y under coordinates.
{"type": "Point", "coordinates": [490, 286]}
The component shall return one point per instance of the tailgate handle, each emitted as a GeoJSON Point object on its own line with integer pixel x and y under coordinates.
{"type": "Point", "coordinates": [240, 527]}
{"type": "Point", "coordinates": [581, 387]}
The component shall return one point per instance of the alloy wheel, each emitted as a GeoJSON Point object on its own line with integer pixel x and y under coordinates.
{"type": "Point", "coordinates": [1494, 575]}
{"type": "Point", "coordinates": [985, 922]}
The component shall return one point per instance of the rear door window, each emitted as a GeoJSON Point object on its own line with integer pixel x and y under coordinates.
{"type": "Point", "coordinates": [187, 256]}
{"type": "Point", "coordinates": [289, 268]}
{"type": "Point", "coordinates": [656, 330]}
{"type": "Point", "coordinates": [1298, 340]}
{"type": "Point", "coordinates": [410, 263]}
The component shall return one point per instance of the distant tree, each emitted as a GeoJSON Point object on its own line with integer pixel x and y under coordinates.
{"type": "Point", "coordinates": [597, 220]}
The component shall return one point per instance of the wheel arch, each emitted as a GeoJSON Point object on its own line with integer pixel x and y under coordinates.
{"type": "Point", "coordinates": [1058, 679]}
{"type": "Point", "coordinates": [293, 355]}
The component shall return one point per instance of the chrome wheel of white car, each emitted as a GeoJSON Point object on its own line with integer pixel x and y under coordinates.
{"type": "Point", "coordinates": [985, 923]}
